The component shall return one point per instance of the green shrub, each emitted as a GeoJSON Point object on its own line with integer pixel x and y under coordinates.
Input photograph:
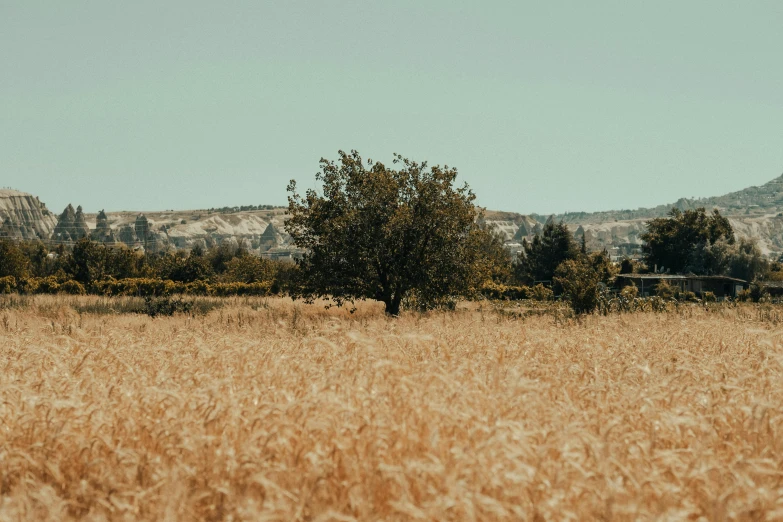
{"type": "Point", "coordinates": [72, 287]}
{"type": "Point", "coordinates": [166, 306]}
{"type": "Point", "coordinates": [757, 292]}
{"type": "Point", "coordinates": [629, 292]}
{"type": "Point", "coordinates": [231, 289]}
{"type": "Point", "coordinates": [46, 285]}
{"type": "Point", "coordinates": [141, 287]}
{"type": "Point", "coordinates": [580, 283]}
{"type": "Point", "coordinates": [709, 297]}
{"type": "Point", "coordinates": [495, 291]}
{"type": "Point", "coordinates": [7, 285]}
{"type": "Point", "coordinates": [27, 285]}
{"type": "Point", "coordinates": [690, 297]}
{"type": "Point", "coordinates": [540, 293]}
{"type": "Point", "coordinates": [198, 288]}
{"type": "Point", "coordinates": [664, 290]}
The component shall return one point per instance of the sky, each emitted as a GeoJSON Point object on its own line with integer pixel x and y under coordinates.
{"type": "Point", "coordinates": [542, 106]}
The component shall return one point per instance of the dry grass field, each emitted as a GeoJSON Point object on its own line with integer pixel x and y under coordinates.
{"type": "Point", "coordinates": [266, 410]}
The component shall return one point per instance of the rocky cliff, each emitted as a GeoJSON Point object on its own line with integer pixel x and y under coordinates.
{"type": "Point", "coordinates": [23, 216]}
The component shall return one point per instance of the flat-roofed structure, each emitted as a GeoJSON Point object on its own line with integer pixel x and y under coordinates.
{"type": "Point", "coordinates": [720, 286]}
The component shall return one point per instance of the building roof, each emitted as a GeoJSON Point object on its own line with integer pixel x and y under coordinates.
{"type": "Point", "coordinates": [771, 284]}
{"type": "Point", "coordinates": [681, 277]}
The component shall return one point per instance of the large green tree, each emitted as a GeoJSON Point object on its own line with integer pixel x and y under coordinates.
{"type": "Point", "coordinates": [384, 233]}
{"type": "Point", "coordinates": [674, 242]}
{"type": "Point", "coordinates": [541, 257]}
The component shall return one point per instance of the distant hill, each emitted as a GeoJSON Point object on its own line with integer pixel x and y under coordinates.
{"type": "Point", "coordinates": [754, 212]}
{"type": "Point", "coordinates": [751, 201]}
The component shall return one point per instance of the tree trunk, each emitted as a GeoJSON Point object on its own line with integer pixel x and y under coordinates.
{"type": "Point", "coordinates": [393, 306]}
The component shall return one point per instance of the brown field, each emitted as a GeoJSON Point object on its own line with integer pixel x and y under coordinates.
{"type": "Point", "coordinates": [265, 410]}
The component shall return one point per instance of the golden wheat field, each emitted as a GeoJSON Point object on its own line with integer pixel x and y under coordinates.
{"type": "Point", "coordinates": [270, 410]}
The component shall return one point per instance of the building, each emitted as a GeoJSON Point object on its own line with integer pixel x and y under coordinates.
{"type": "Point", "coordinates": [773, 288]}
{"type": "Point", "coordinates": [720, 286]}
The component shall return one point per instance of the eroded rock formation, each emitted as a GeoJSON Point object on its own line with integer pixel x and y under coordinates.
{"type": "Point", "coordinates": [103, 231]}
{"type": "Point", "coordinates": [23, 216]}
{"type": "Point", "coordinates": [71, 226]}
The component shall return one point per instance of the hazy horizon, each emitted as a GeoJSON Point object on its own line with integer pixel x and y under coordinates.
{"type": "Point", "coordinates": [543, 108]}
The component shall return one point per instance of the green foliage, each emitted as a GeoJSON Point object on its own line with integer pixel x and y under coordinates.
{"type": "Point", "coordinates": [239, 288]}
{"type": "Point", "coordinates": [166, 306]}
{"type": "Point", "coordinates": [602, 264]}
{"type": "Point", "coordinates": [91, 261]}
{"type": "Point", "coordinates": [7, 284]}
{"type": "Point", "coordinates": [185, 269]}
{"type": "Point", "coordinates": [627, 266]}
{"type": "Point", "coordinates": [744, 295]}
{"type": "Point", "coordinates": [629, 292]}
{"type": "Point", "coordinates": [747, 262]}
{"type": "Point", "coordinates": [221, 255]}
{"type": "Point", "coordinates": [376, 232]}
{"type": "Point", "coordinates": [757, 293]}
{"type": "Point", "coordinates": [580, 283]}
{"type": "Point", "coordinates": [494, 263]}
{"type": "Point", "coordinates": [541, 257]}
{"type": "Point", "coordinates": [541, 293]}
{"type": "Point", "coordinates": [27, 285]}
{"type": "Point", "coordinates": [708, 297]}
{"type": "Point", "coordinates": [72, 287]}
{"type": "Point", "coordinates": [47, 285]}
{"type": "Point", "coordinates": [249, 269]}
{"type": "Point", "coordinates": [501, 292]}
{"type": "Point", "coordinates": [664, 290]}
{"type": "Point", "coordinates": [674, 242]}
{"type": "Point", "coordinates": [12, 260]}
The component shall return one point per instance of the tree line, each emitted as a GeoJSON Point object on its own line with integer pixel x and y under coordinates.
{"type": "Point", "coordinates": [406, 235]}
{"type": "Point", "coordinates": [98, 268]}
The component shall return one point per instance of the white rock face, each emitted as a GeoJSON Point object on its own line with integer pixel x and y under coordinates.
{"type": "Point", "coordinates": [186, 229]}
{"type": "Point", "coordinates": [23, 216]}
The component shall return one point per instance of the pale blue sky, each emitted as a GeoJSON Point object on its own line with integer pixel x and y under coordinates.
{"type": "Point", "coordinates": [543, 107]}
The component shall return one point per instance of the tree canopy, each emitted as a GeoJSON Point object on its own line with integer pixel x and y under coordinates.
{"type": "Point", "coordinates": [673, 242]}
{"type": "Point", "coordinates": [375, 232]}
{"type": "Point", "coordinates": [541, 257]}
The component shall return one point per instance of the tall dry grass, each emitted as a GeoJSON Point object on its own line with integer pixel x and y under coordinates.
{"type": "Point", "coordinates": [266, 410]}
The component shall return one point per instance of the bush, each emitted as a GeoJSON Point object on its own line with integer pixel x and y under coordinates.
{"type": "Point", "coordinates": [580, 283]}
{"type": "Point", "coordinates": [492, 290]}
{"type": "Point", "coordinates": [7, 285]}
{"type": "Point", "coordinates": [757, 292]}
{"type": "Point", "coordinates": [629, 292]}
{"type": "Point", "coordinates": [744, 295]}
{"type": "Point", "coordinates": [709, 297]}
{"type": "Point", "coordinates": [690, 296]}
{"type": "Point", "coordinates": [166, 306]}
{"type": "Point", "coordinates": [198, 288]}
{"type": "Point", "coordinates": [27, 285]}
{"type": "Point", "coordinates": [540, 293]}
{"type": "Point", "coordinates": [142, 287]}
{"type": "Point", "coordinates": [664, 290]}
{"type": "Point", "coordinates": [46, 285]}
{"type": "Point", "coordinates": [72, 287]}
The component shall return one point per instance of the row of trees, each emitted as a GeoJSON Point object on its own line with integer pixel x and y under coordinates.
{"type": "Point", "coordinates": [404, 235]}
{"type": "Point", "coordinates": [697, 242]}
{"type": "Point", "coordinates": [89, 262]}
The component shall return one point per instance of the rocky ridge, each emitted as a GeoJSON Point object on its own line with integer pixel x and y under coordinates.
{"type": "Point", "coordinates": [754, 212]}
{"type": "Point", "coordinates": [23, 216]}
